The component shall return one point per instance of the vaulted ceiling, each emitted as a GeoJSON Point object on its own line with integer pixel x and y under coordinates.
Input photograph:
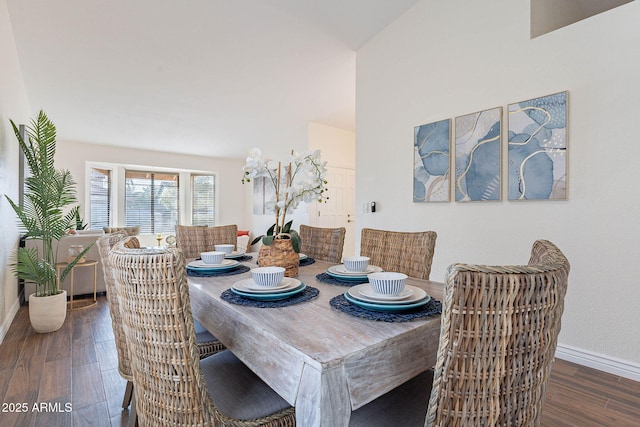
{"type": "Point", "coordinates": [210, 77]}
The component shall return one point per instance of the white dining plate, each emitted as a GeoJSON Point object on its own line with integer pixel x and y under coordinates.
{"type": "Point", "coordinates": [271, 296]}
{"type": "Point", "coordinates": [227, 263]}
{"type": "Point", "coordinates": [341, 270]}
{"type": "Point", "coordinates": [235, 254]}
{"type": "Point", "coordinates": [249, 286]}
{"type": "Point", "coordinates": [368, 292]}
{"type": "Point", "coordinates": [365, 293]}
{"type": "Point", "coordinates": [388, 306]}
{"type": "Point", "coordinates": [302, 256]}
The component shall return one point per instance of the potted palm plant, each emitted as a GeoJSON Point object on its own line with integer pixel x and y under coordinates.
{"type": "Point", "coordinates": [48, 193]}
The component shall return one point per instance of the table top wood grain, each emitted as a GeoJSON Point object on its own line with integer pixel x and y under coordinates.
{"type": "Point", "coordinates": [324, 362]}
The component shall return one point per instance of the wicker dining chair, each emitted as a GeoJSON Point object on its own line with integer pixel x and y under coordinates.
{"type": "Point", "coordinates": [104, 244]}
{"type": "Point", "coordinates": [194, 239]}
{"type": "Point", "coordinates": [322, 243]}
{"type": "Point", "coordinates": [207, 343]}
{"type": "Point", "coordinates": [499, 330]}
{"type": "Point", "coordinates": [173, 387]}
{"type": "Point", "coordinates": [410, 253]}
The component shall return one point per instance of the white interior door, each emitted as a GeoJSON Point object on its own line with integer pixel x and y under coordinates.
{"type": "Point", "coordinates": [339, 211]}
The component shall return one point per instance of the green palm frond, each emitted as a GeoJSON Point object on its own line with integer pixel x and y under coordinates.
{"type": "Point", "coordinates": [31, 268]}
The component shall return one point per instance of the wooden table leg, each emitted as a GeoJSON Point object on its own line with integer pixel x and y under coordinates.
{"type": "Point", "coordinates": [325, 393]}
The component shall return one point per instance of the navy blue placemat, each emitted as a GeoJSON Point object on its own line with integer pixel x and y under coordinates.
{"type": "Point", "coordinates": [431, 308]}
{"type": "Point", "coordinates": [325, 278]}
{"type": "Point", "coordinates": [308, 294]}
{"type": "Point", "coordinates": [238, 270]}
{"type": "Point", "coordinates": [307, 261]}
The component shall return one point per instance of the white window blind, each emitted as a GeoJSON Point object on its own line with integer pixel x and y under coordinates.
{"type": "Point", "coordinates": [100, 195]}
{"type": "Point", "coordinates": [151, 201]}
{"type": "Point", "coordinates": [203, 192]}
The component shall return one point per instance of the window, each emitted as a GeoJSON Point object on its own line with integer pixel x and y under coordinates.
{"type": "Point", "coordinates": [203, 200]}
{"type": "Point", "coordinates": [125, 195]}
{"type": "Point", "coordinates": [151, 201]}
{"type": "Point", "coordinates": [100, 198]}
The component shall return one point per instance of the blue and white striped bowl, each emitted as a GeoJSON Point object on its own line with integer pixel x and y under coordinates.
{"type": "Point", "coordinates": [387, 282]}
{"type": "Point", "coordinates": [268, 276]}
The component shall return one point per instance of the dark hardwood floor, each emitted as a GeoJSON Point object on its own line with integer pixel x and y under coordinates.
{"type": "Point", "coordinates": [70, 378]}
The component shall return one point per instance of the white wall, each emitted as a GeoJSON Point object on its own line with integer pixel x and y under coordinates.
{"type": "Point", "coordinates": [338, 146]}
{"type": "Point", "coordinates": [13, 105]}
{"type": "Point", "coordinates": [445, 59]}
{"type": "Point", "coordinates": [231, 200]}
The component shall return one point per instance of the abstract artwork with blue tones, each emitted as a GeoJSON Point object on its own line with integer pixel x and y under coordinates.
{"type": "Point", "coordinates": [477, 153]}
{"type": "Point", "coordinates": [431, 147]}
{"type": "Point", "coordinates": [538, 148]}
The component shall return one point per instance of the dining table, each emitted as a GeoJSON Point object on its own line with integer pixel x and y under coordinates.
{"type": "Point", "coordinates": [324, 362]}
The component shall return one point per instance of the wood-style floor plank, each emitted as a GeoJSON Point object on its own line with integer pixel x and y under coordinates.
{"type": "Point", "coordinates": [114, 386]}
{"type": "Point", "coordinates": [25, 382]}
{"type": "Point", "coordinates": [73, 373]}
{"type": "Point", "coordinates": [56, 381]}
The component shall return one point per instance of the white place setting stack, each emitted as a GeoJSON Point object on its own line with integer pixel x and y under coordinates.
{"type": "Point", "coordinates": [387, 291]}
{"type": "Point", "coordinates": [229, 253]}
{"type": "Point", "coordinates": [211, 262]}
{"type": "Point", "coordinates": [355, 268]}
{"type": "Point", "coordinates": [268, 284]}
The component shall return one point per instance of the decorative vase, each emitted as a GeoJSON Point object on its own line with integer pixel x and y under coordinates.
{"type": "Point", "coordinates": [47, 314]}
{"type": "Point", "coordinates": [280, 253]}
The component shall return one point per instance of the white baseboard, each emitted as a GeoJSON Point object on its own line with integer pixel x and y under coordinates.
{"type": "Point", "coordinates": [4, 328]}
{"type": "Point", "coordinates": [600, 362]}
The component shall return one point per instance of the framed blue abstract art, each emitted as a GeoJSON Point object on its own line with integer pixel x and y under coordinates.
{"type": "Point", "coordinates": [538, 148]}
{"type": "Point", "coordinates": [432, 147]}
{"type": "Point", "coordinates": [477, 164]}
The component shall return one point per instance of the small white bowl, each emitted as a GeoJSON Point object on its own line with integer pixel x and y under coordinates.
{"type": "Point", "coordinates": [212, 257]}
{"type": "Point", "coordinates": [356, 263]}
{"type": "Point", "coordinates": [268, 276]}
{"type": "Point", "coordinates": [387, 283]}
{"type": "Point", "coordinates": [227, 249]}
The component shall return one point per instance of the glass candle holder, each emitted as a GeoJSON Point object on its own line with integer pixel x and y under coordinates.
{"type": "Point", "coordinates": [73, 252]}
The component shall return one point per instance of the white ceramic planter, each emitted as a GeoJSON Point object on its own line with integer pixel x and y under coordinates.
{"type": "Point", "coordinates": [47, 314]}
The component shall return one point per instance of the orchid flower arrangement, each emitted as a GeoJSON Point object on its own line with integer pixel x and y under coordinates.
{"type": "Point", "coordinates": [302, 180]}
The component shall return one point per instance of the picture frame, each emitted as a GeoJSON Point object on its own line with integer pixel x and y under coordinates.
{"type": "Point", "coordinates": [537, 148]}
{"type": "Point", "coordinates": [432, 162]}
{"type": "Point", "coordinates": [478, 156]}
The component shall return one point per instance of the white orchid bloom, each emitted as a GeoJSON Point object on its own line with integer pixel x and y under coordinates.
{"type": "Point", "coordinates": [301, 179]}
{"type": "Point", "coordinates": [255, 152]}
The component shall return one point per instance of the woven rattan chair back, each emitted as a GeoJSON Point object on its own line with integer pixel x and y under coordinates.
{"type": "Point", "coordinates": [545, 252]}
{"type": "Point", "coordinates": [498, 337]}
{"type": "Point", "coordinates": [410, 253]}
{"type": "Point", "coordinates": [169, 382]}
{"type": "Point", "coordinates": [194, 239]}
{"type": "Point", "coordinates": [160, 334]}
{"type": "Point", "coordinates": [223, 235]}
{"type": "Point", "coordinates": [105, 243]}
{"type": "Point", "coordinates": [322, 243]}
